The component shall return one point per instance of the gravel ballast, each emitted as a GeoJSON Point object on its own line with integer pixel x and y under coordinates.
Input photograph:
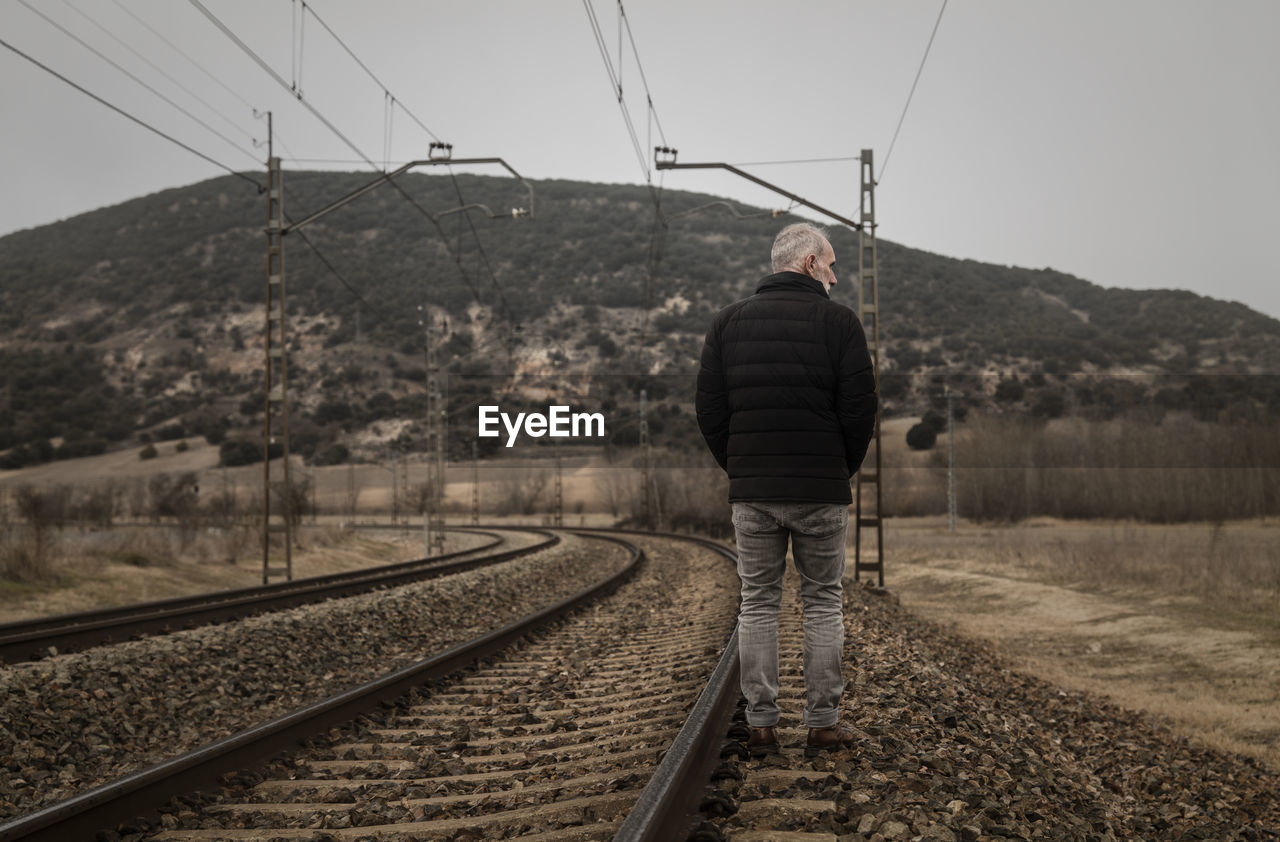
{"type": "Point", "coordinates": [954, 745]}
{"type": "Point", "coordinates": [72, 722]}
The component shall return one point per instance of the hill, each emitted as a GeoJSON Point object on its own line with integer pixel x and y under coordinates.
{"type": "Point", "coordinates": [143, 319]}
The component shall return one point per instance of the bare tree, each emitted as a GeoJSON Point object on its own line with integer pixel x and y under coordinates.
{"type": "Point", "coordinates": [38, 509]}
{"type": "Point", "coordinates": [619, 488]}
{"type": "Point", "coordinates": [294, 501]}
{"type": "Point", "coordinates": [518, 492]}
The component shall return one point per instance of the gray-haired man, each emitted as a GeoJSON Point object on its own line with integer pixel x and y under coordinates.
{"type": "Point", "coordinates": [787, 402]}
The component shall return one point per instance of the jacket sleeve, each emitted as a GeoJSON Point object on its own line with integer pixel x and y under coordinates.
{"type": "Point", "coordinates": [712, 399]}
{"type": "Point", "coordinates": [856, 399]}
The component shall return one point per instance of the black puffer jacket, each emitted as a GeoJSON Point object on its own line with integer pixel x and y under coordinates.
{"type": "Point", "coordinates": [786, 393]}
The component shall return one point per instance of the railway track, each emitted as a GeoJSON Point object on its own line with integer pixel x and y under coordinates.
{"type": "Point", "coordinates": [33, 639]}
{"type": "Point", "coordinates": [777, 798]}
{"type": "Point", "coordinates": [563, 730]}
{"type": "Point", "coordinates": [607, 723]}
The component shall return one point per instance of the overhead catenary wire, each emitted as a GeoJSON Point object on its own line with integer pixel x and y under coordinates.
{"type": "Point", "coordinates": [235, 39]}
{"type": "Point", "coordinates": [118, 67]}
{"type": "Point", "coordinates": [616, 85]}
{"type": "Point", "coordinates": [213, 77]}
{"type": "Point", "coordinates": [333, 269]}
{"type": "Point", "coordinates": [885, 163]}
{"type": "Point", "coordinates": [126, 114]}
{"type": "Point", "coordinates": [479, 245]}
{"type": "Point", "coordinates": [798, 161]}
{"type": "Point", "coordinates": [395, 100]}
{"type": "Point", "coordinates": [390, 102]}
{"type": "Point", "coordinates": [183, 53]}
{"type": "Point", "coordinates": [657, 236]}
{"type": "Point", "coordinates": [644, 81]}
{"type": "Point", "coordinates": [126, 45]}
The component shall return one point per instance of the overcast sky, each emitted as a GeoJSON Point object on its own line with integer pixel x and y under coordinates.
{"type": "Point", "coordinates": [1133, 144]}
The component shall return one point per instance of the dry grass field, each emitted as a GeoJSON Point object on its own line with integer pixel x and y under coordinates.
{"type": "Point", "coordinates": [99, 568]}
{"type": "Point", "coordinates": [1182, 621]}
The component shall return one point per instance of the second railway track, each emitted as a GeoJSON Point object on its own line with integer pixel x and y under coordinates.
{"type": "Point", "coordinates": [31, 639]}
{"type": "Point", "coordinates": [555, 738]}
{"type": "Point", "coordinates": [564, 731]}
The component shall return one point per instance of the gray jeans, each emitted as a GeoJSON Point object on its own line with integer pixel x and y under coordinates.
{"type": "Point", "coordinates": [817, 533]}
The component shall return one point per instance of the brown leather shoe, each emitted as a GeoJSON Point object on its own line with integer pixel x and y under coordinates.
{"type": "Point", "coordinates": [762, 740]}
{"type": "Point", "coordinates": [835, 738]}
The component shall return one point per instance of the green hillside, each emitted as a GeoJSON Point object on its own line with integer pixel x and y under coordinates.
{"type": "Point", "coordinates": [146, 316]}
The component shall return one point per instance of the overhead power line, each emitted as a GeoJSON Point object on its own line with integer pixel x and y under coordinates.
{"type": "Point", "coordinates": [387, 91]}
{"type": "Point", "coordinates": [297, 93]}
{"type": "Point", "coordinates": [280, 79]}
{"type": "Point", "coordinates": [183, 53]}
{"type": "Point", "coordinates": [341, 279]}
{"type": "Point", "coordinates": [799, 161]}
{"type": "Point", "coordinates": [111, 62]}
{"type": "Point", "coordinates": [657, 236]}
{"type": "Point", "coordinates": [124, 113]}
{"type": "Point", "coordinates": [101, 28]}
{"type": "Point", "coordinates": [615, 83]}
{"type": "Point", "coordinates": [653, 112]}
{"type": "Point", "coordinates": [614, 72]}
{"type": "Point", "coordinates": [479, 245]}
{"type": "Point", "coordinates": [213, 77]}
{"type": "Point", "coordinates": [912, 93]}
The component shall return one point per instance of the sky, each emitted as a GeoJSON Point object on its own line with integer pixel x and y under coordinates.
{"type": "Point", "coordinates": [1131, 144]}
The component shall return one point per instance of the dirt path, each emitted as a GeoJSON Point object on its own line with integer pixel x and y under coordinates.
{"type": "Point", "coordinates": [1148, 653]}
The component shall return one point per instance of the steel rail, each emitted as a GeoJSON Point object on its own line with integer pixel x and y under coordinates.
{"type": "Point", "coordinates": [81, 816]}
{"type": "Point", "coordinates": [30, 640]}
{"type": "Point", "coordinates": [668, 807]}
{"type": "Point", "coordinates": [57, 620]}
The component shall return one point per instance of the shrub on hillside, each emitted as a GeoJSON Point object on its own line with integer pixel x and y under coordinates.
{"type": "Point", "coordinates": [169, 432]}
{"type": "Point", "coordinates": [922, 436]}
{"type": "Point", "coordinates": [235, 452]}
{"type": "Point", "coordinates": [1009, 391]}
{"type": "Point", "coordinates": [935, 421]}
{"type": "Point", "coordinates": [335, 454]}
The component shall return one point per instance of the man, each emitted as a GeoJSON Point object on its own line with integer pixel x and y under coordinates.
{"type": "Point", "coordinates": [787, 403]}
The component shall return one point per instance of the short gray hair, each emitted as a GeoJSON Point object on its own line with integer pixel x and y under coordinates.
{"type": "Point", "coordinates": [796, 242]}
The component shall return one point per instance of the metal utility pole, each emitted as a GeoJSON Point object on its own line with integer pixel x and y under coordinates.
{"type": "Point", "coordinates": [276, 370]}
{"type": "Point", "coordinates": [559, 515]}
{"type": "Point", "coordinates": [275, 421]}
{"type": "Point", "coordinates": [351, 492]}
{"type": "Point", "coordinates": [395, 491]}
{"type": "Point", "coordinates": [430, 350]}
{"type": "Point", "coordinates": [951, 463]}
{"type": "Point", "coordinates": [404, 489]}
{"type": "Point", "coordinates": [433, 526]}
{"type": "Point", "coordinates": [869, 497]}
{"type": "Point", "coordinates": [442, 440]}
{"type": "Point", "coordinates": [644, 450]}
{"type": "Point", "coordinates": [475, 484]}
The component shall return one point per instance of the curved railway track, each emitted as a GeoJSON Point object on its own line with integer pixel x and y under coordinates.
{"type": "Point", "coordinates": [32, 639]}
{"type": "Point", "coordinates": [601, 725]}
{"type": "Point", "coordinates": [772, 793]}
